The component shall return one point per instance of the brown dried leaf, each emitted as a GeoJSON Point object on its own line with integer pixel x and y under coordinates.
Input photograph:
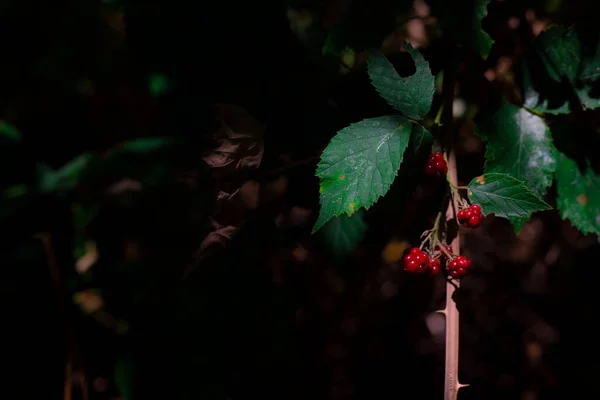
{"type": "Point", "coordinates": [220, 236]}
{"type": "Point", "coordinates": [239, 138]}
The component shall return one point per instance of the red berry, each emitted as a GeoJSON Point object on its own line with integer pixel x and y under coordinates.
{"type": "Point", "coordinates": [468, 213]}
{"type": "Point", "coordinates": [461, 215]}
{"type": "Point", "coordinates": [476, 208]}
{"type": "Point", "coordinates": [422, 258]}
{"type": "Point", "coordinates": [441, 166]}
{"type": "Point", "coordinates": [436, 165]}
{"type": "Point", "coordinates": [437, 156]}
{"type": "Point", "coordinates": [411, 266]}
{"type": "Point", "coordinates": [415, 250]}
{"type": "Point", "coordinates": [474, 221]}
{"type": "Point", "coordinates": [457, 273]}
{"type": "Point", "coordinates": [434, 266]}
{"type": "Point", "coordinates": [452, 265]}
{"type": "Point", "coordinates": [462, 262]}
{"type": "Point", "coordinates": [415, 260]}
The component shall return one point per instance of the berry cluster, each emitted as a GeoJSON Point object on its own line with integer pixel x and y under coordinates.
{"type": "Point", "coordinates": [471, 216]}
{"type": "Point", "coordinates": [417, 261]}
{"type": "Point", "coordinates": [458, 267]}
{"type": "Point", "coordinates": [436, 165]}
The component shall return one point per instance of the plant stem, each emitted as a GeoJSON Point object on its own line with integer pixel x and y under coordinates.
{"type": "Point", "coordinates": [451, 384]}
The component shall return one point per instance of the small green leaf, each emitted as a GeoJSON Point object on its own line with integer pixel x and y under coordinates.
{"type": "Point", "coordinates": [360, 164]}
{"type": "Point", "coordinates": [65, 178]}
{"type": "Point", "coordinates": [461, 22]}
{"type": "Point", "coordinates": [145, 145]}
{"type": "Point", "coordinates": [341, 234]}
{"type": "Point", "coordinates": [412, 95]}
{"type": "Point", "coordinates": [10, 132]}
{"type": "Point", "coordinates": [578, 195]}
{"type": "Point", "coordinates": [158, 84]}
{"type": "Point", "coordinates": [505, 196]}
{"type": "Point", "coordinates": [520, 144]}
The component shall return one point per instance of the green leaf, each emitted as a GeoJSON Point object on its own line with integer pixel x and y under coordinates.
{"type": "Point", "coordinates": [360, 164]}
{"type": "Point", "coordinates": [461, 22]}
{"type": "Point", "coordinates": [341, 234]}
{"type": "Point", "coordinates": [145, 145]}
{"type": "Point", "coordinates": [9, 132]}
{"type": "Point", "coordinates": [158, 84]}
{"type": "Point", "coordinates": [559, 75]}
{"type": "Point", "coordinates": [505, 196]}
{"type": "Point", "coordinates": [412, 95]}
{"type": "Point", "coordinates": [520, 144]}
{"type": "Point", "coordinates": [65, 178]}
{"type": "Point", "coordinates": [578, 195]}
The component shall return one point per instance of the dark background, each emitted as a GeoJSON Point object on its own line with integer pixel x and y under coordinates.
{"type": "Point", "coordinates": [270, 313]}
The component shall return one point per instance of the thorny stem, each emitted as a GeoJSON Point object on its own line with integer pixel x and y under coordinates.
{"type": "Point", "coordinates": [451, 384]}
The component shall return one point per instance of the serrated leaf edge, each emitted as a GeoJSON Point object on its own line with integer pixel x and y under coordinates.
{"type": "Point", "coordinates": [469, 189]}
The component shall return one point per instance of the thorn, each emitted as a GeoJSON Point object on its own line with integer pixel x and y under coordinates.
{"type": "Point", "coordinates": [441, 311]}
{"type": "Point", "coordinates": [461, 385]}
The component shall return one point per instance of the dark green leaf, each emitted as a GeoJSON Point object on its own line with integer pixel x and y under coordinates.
{"type": "Point", "coordinates": [461, 22]}
{"type": "Point", "coordinates": [65, 178]}
{"type": "Point", "coordinates": [412, 95]}
{"type": "Point", "coordinates": [343, 233]}
{"type": "Point", "coordinates": [505, 196]}
{"type": "Point", "coordinates": [519, 143]}
{"type": "Point", "coordinates": [145, 145]}
{"type": "Point", "coordinates": [578, 195]}
{"type": "Point", "coordinates": [9, 132]}
{"type": "Point", "coordinates": [158, 84]}
{"type": "Point", "coordinates": [360, 163]}
{"type": "Point", "coordinates": [561, 72]}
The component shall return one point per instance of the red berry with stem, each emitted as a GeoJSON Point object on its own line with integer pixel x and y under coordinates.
{"type": "Point", "coordinates": [476, 208]}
